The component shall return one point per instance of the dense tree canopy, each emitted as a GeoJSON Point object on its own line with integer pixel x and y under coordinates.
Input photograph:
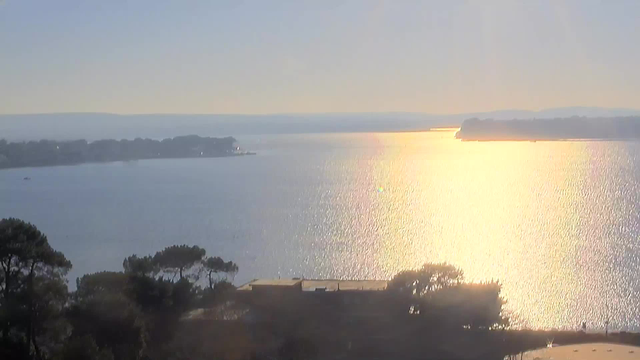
{"type": "Point", "coordinates": [47, 152]}
{"type": "Point", "coordinates": [83, 348]}
{"type": "Point", "coordinates": [33, 289]}
{"type": "Point", "coordinates": [126, 315]}
{"type": "Point", "coordinates": [101, 310]}
{"type": "Point", "coordinates": [215, 266]}
{"type": "Point", "coordinates": [140, 265]}
{"type": "Point", "coordinates": [179, 259]}
{"type": "Point", "coordinates": [111, 320]}
{"type": "Point", "coordinates": [96, 285]}
{"type": "Point", "coordinates": [472, 305]}
{"type": "Point", "coordinates": [438, 293]}
{"type": "Point", "coordinates": [429, 278]}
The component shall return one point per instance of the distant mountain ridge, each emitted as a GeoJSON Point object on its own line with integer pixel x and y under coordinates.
{"type": "Point", "coordinates": [568, 128]}
{"type": "Point", "coordinates": [94, 126]}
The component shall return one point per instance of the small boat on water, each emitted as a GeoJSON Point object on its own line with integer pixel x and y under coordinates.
{"type": "Point", "coordinates": [26, 178]}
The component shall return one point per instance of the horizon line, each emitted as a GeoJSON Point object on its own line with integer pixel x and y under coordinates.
{"type": "Point", "coordinates": [315, 113]}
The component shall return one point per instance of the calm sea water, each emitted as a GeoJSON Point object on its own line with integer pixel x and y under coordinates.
{"type": "Point", "coordinates": [556, 222]}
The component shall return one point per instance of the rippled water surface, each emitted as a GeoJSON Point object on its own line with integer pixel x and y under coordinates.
{"type": "Point", "coordinates": [556, 222]}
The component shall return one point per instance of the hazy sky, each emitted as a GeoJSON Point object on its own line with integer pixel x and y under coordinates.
{"type": "Point", "coordinates": [151, 56]}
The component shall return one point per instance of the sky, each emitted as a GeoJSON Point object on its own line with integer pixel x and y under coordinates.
{"type": "Point", "coordinates": [257, 57]}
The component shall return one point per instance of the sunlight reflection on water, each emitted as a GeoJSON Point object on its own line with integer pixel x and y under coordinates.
{"type": "Point", "coordinates": [556, 222]}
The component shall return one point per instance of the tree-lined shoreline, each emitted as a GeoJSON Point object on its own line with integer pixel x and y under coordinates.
{"type": "Point", "coordinates": [55, 153]}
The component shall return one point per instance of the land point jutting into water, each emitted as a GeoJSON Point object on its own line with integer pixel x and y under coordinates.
{"type": "Point", "coordinates": [51, 153]}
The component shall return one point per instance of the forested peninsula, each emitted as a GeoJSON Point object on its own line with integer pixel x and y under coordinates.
{"type": "Point", "coordinates": [573, 128]}
{"type": "Point", "coordinates": [51, 153]}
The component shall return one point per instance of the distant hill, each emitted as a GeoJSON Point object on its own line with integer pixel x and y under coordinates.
{"type": "Point", "coordinates": [553, 113]}
{"type": "Point", "coordinates": [94, 126]}
{"type": "Point", "coordinates": [621, 127]}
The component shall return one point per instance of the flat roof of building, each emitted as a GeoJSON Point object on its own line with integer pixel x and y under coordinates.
{"type": "Point", "coordinates": [346, 285]}
{"type": "Point", "coordinates": [320, 284]}
{"type": "Point", "coordinates": [270, 282]}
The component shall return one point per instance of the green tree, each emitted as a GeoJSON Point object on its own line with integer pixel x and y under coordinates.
{"type": "Point", "coordinates": [212, 267]}
{"type": "Point", "coordinates": [83, 348]}
{"type": "Point", "coordinates": [437, 292]}
{"type": "Point", "coordinates": [427, 279]}
{"type": "Point", "coordinates": [231, 269]}
{"type": "Point", "coordinates": [472, 305]}
{"type": "Point", "coordinates": [47, 326]}
{"type": "Point", "coordinates": [101, 310]}
{"type": "Point", "coordinates": [161, 301]}
{"type": "Point", "coordinates": [215, 266]}
{"type": "Point", "coordinates": [97, 285]}
{"type": "Point", "coordinates": [179, 259]}
{"type": "Point", "coordinates": [140, 265]}
{"type": "Point", "coordinates": [33, 288]}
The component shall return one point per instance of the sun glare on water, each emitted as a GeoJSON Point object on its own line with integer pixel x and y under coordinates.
{"type": "Point", "coordinates": [518, 212]}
